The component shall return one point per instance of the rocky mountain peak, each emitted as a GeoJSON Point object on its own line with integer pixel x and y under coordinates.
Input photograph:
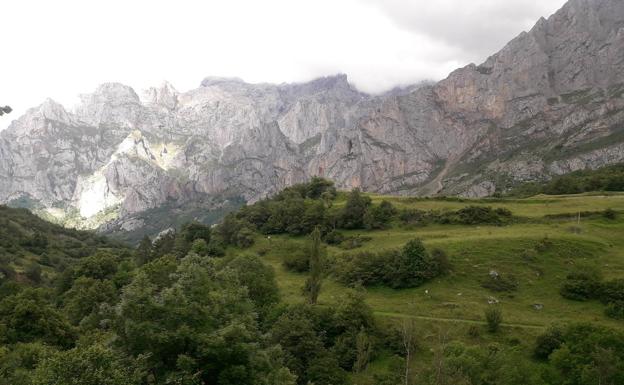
{"type": "Point", "coordinates": [550, 101]}
{"type": "Point", "coordinates": [219, 80]}
{"type": "Point", "coordinates": [165, 96]}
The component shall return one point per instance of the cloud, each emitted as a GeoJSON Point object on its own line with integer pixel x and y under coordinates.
{"type": "Point", "coordinates": [63, 48]}
{"type": "Point", "coordinates": [476, 28]}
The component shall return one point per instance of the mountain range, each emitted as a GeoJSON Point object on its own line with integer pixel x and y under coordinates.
{"type": "Point", "coordinates": [550, 102]}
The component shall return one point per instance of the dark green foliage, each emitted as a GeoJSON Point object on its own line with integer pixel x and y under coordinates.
{"type": "Point", "coordinates": [297, 261]}
{"type": "Point", "coordinates": [609, 178]}
{"type": "Point", "coordinates": [610, 214]}
{"type": "Point", "coordinates": [333, 238]}
{"type": "Point", "coordinates": [441, 259]}
{"type": "Point", "coordinates": [352, 216]}
{"type": "Point", "coordinates": [199, 247]}
{"type": "Point", "coordinates": [33, 272]}
{"type": "Point", "coordinates": [548, 342]}
{"type": "Point", "coordinates": [409, 267]}
{"type": "Point", "coordinates": [144, 252]}
{"type": "Point", "coordinates": [491, 364]}
{"type": "Point", "coordinates": [28, 317]}
{"type": "Point", "coordinates": [612, 291]}
{"type": "Point", "coordinates": [236, 232]}
{"type": "Point", "coordinates": [314, 281]}
{"type": "Point", "coordinates": [85, 298]}
{"type": "Point", "coordinates": [470, 215]}
{"type": "Point", "coordinates": [90, 365]}
{"type": "Point", "coordinates": [321, 342]}
{"type": "Point", "coordinates": [615, 310]}
{"type": "Point", "coordinates": [200, 321]}
{"type": "Point", "coordinates": [582, 284]}
{"type": "Point", "coordinates": [589, 354]}
{"type": "Point", "coordinates": [324, 370]}
{"type": "Point", "coordinates": [296, 210]}
{"type": "Point", "coordinates": [258, 278]}
{"type": "Point", "coordinates": [414, 217]}
{"type": "Point", "coordinates": [378, 217]}
{"type": "Point", "coordinates": [473, 215]}
{"type": "Point", "coordinates": [493, 317]}
{"type": "Point", "coordinates": [500, 282]}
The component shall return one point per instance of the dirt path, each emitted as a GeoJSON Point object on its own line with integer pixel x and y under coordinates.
{"type": "Point", "coordinates": [456, 320]}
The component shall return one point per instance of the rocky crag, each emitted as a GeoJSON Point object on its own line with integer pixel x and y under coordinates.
{"type": "Point", "coordinates": [550, 102]}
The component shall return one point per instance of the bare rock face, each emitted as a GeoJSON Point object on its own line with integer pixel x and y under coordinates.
{"type": "Point", "coordinates": [550, 102]}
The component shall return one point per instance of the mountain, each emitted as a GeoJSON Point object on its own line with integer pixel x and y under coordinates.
{"type": "Point", "coordinates": [550, 102]}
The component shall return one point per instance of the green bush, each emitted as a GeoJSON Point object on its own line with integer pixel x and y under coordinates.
{"type": "Point", "coordinates": [296, 261]}
{"type": "Point", "coordinates": [409, 267]}
{"type": "Point", "coordinates": [582, 284]}
{"type": "Point", "coordinates": [333, 237]}
{"type": "Point", "coordinates": [378, 217]}
{"type": "Point", "coordinates": [500, 282]}
{"type": "Point", "coordinates": [493, 317]}
{"type": "Point", "coordinates": [615, 310]}
{"type": "Point", "coordinates": [352, 216]}
{"type": "Point", "coordinates": [610, 214]}
{"type": "Point", "coordinates": [547, 343]}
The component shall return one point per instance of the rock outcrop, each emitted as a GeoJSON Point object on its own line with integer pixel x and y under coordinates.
{"type": "Point", "coordinates": [549, 102]}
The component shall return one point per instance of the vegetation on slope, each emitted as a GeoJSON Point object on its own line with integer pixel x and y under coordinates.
{"type": "Point", "coordinates": [608, 178]}
{"type": "Point", "coordinates": [316, 286]}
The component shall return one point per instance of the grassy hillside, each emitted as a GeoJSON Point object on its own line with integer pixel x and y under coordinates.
{"type": "Point", "coordinates": [412, 291]}
{"type": "Point", "coordinates": [549, 237]}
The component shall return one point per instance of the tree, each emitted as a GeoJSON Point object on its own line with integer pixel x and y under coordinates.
{"type": "Point", "coordinates": [90, 365]}
{"type": "Point", "coordinates": [200, 247]}
{"type": "Point", "coordinates": [259, 279]}
{"type": "Point", "coordinates": [143, 253]}
{"type": "Point", "coordinates": [27, 317]}
{"type": "Point", "coordinates": [378, 217]}
{"type": "Point", "coordinates": [5, 110]}
{"type": "Point", "coordinates": [312, 287]}
{"type": "Point", "coordinates": [352, 216]}
{"type": "Point", "coordinates": [364, 349]}
{"type": "Point", "coordinates": [408, 339]}
{"type": "Point", "coordinates": [86, 295]}
{"type": "Point", "coordinates": [198, 324]}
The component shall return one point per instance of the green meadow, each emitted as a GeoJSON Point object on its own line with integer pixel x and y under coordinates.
{"type": "Point", "coordinates": [551, 236]}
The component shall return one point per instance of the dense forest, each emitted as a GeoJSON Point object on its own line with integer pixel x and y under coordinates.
{"type": "Point", "coordinates": [204, 305]}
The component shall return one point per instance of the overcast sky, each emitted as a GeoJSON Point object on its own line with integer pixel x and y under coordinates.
{"type": "Point", "coordinates": [63, 48]}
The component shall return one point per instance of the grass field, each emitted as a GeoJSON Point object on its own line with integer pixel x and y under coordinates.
{"type": "Point", "coordinates": [538, 251]}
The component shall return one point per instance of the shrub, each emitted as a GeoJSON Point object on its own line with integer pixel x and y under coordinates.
{"type": "Point", "coordinates": [493, 317]}
{"type": "Point", "coordinates": [473, 215]}
{"type": "Point", "coordinates": [409, 267]}
{"type": "Point", "coordinates": [615, 310]}
{"type": "Point", "coordinates": [352, 216]}
{"type": "Point", "coordinates": [582, 284]}
{"type": "Point", "coordinates": [296, 261]}
{"type": "Point", "coordinates": [500, 282]}
{"type": "Point", "coordinates": [349, 243]}
{"type": "Point", "coordinates": [441, 258]}
{"type": "Point", "coordinates": [365, 268]}
{"type": "Point", "coordinates": [612, 291]}
{"type": "Point", "coordinates": [474, 331]}
{"type": "Point", "coordinates": [610, 214]}
{"type": "Point", "coordinates": [413, 216]}
{"type": "Point", "coordinates": [378, 217]}
{"type": "Point", "coordinates": [548, 342]}
{"type": "Point", "coordinates": [333, 238]}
